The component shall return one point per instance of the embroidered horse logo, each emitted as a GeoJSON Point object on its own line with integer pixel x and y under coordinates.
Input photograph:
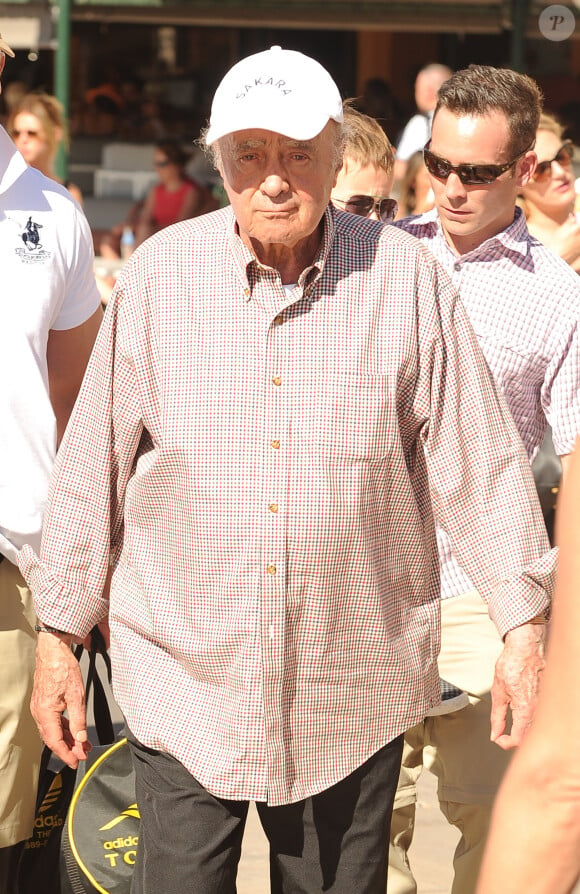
{"type": "Point", "coordinates": [31, 236]}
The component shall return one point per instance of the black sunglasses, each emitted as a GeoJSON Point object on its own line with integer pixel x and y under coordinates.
{"type": "Point", "coordinates": [470, 175]}
{"type": "Point", "coordinates": [385, 208]}
{"type": "Point", "coordinates": [563, 156]}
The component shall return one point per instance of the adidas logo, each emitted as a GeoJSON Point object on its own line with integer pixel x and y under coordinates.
{"type": "Point", "coordinates": [52, 795]}
{"type": "Point", "coordinates": [132, 810]}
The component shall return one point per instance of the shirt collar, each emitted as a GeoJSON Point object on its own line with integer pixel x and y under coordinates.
{"type": "Point", "coordinates": [12, 164]}
{"type": "Point", "coordinates": [515, 237]}
{"type": "Point", "coordinates": [244, 259]}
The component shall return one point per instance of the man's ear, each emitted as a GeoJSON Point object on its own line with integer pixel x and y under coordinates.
{"type": "Point", "coordinates": [526, 167]}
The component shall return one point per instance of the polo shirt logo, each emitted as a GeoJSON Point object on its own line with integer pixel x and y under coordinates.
{"type": "Point", "coordinates": [31, 236]}
{"type": "Point", "coordinates": [33, 251]}
{"type": "Point", "coordinates": [264, 82]}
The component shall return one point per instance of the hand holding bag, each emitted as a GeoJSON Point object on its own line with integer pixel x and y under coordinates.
{"type": "Point", "coordinates": [87, 823]}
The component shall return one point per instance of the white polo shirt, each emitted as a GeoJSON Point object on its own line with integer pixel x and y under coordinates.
{"type": "Point", "coordinates": [46, 282]}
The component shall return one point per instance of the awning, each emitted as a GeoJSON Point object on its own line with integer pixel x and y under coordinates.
{"type": "Point", "coordinates": [389, 15]}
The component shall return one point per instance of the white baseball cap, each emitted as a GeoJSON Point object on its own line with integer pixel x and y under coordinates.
{"type": "Point", "coordinates": [279, 90]}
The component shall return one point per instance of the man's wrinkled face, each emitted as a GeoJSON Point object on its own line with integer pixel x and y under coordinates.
{"type": "Point", "coordinates": [278, 187]}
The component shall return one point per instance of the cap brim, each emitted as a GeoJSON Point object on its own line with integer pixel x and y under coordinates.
{"type": "Point", "coordinates": [304, 127]}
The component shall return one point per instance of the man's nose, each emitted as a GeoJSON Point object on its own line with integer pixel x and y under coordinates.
{"type": "Point", "coordinates": [454, 188]}
{"type": "Point", "coordinates": [274, 184]}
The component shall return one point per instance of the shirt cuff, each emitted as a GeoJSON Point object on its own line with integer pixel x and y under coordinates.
{"type": "Point", "coordinates": [520, 599]}
{"type": "Point", "coordinates": [55, 603]}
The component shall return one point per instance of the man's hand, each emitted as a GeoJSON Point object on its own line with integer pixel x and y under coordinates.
{"type": "Point", "coordinates": [516, 683]}
{"type": "Point", "coordinates": [58, 686]}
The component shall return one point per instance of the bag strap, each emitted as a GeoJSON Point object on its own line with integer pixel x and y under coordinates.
{"type": "Point", "coordinates": [101, 710]}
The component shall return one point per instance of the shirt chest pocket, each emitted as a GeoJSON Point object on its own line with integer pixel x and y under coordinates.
{"type": "Point", "coordinates": [352, 420]}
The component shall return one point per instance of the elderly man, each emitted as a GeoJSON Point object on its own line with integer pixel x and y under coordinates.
{"type": "Point", "coordinates": [248, 456]}
{"type": "Point", "coordinates": [49, 317]}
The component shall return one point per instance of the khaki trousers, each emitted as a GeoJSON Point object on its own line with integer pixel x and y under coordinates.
{"type": "Point", "coordinates": [455, 747]}
{"type": "Point", "coordinates": [20, 744]}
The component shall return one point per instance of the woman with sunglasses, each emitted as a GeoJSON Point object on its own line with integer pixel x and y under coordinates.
{"type": "Point", "coordinates": [176, 197]}
{"type": "Point", "coordinates": [37, 125]}
{"type": "Point", "coordinates": [549, 198]}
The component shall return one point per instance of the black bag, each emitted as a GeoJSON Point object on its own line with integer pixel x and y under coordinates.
{"type": "Point", "coordinates": [68, 853]}
{"type": "Point", "coordinates": [101, 834]}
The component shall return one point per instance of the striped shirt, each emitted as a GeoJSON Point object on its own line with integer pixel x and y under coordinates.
{"type": "Point", "coordinates": [252, 461]}
{"type": "Point", "coordinates": [524, 304]}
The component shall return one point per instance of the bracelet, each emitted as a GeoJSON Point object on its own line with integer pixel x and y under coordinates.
{"type": "Point", "coordinates": [43, 628]}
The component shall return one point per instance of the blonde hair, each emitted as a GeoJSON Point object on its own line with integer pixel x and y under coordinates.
{"type": "Point", "coordinates": [365, 140]}
{"type": "Point", "coordinates": [550, 123]}
{"type": "Point", "coordinates": [50, 114]}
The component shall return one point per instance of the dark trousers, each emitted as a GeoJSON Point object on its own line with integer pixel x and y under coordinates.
{"type": "Point", "coordinates": [190, 841]}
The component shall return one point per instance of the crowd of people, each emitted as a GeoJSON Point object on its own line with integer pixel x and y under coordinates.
{"type": "Point", "coordinates": [296, 485]}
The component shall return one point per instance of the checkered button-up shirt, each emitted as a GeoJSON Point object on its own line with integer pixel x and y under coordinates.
{"type": "Point", "coordinates": [253, 461]}
{"type": "Point", "coordinates": [524, 304]}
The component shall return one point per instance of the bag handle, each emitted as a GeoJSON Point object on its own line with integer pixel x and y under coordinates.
{"type": "Point", "coordinates": [101, 710]}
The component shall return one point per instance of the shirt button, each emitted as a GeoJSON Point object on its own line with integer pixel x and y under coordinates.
{"type": "Point", "coordinates": [278, 320]}
{"type": "Point", "coordinates": [277, 380]}
{"type": "Point", "coordinates": [271, 569]}
{"type": "Point", "coordinates": [276, 445]}
{"type": "Point", "coordinates": [247, 293]}
{"type": "Point", "coordinates": [273, 507]}
{"type": "Point", "coordinates": [457, 266]}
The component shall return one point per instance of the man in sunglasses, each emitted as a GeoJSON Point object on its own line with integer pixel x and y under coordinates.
{"type": "Point", "coordinates": [365, 179]}
{"type": "Point", "coordinates": [49, 316]}
{"type": "Point", "coordinates": [524, 305]}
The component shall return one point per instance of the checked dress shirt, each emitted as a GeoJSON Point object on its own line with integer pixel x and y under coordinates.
{"type": "Point", "coordinates": [524, 305]}
{"type": "Point", "coordinates": [251, 463]}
